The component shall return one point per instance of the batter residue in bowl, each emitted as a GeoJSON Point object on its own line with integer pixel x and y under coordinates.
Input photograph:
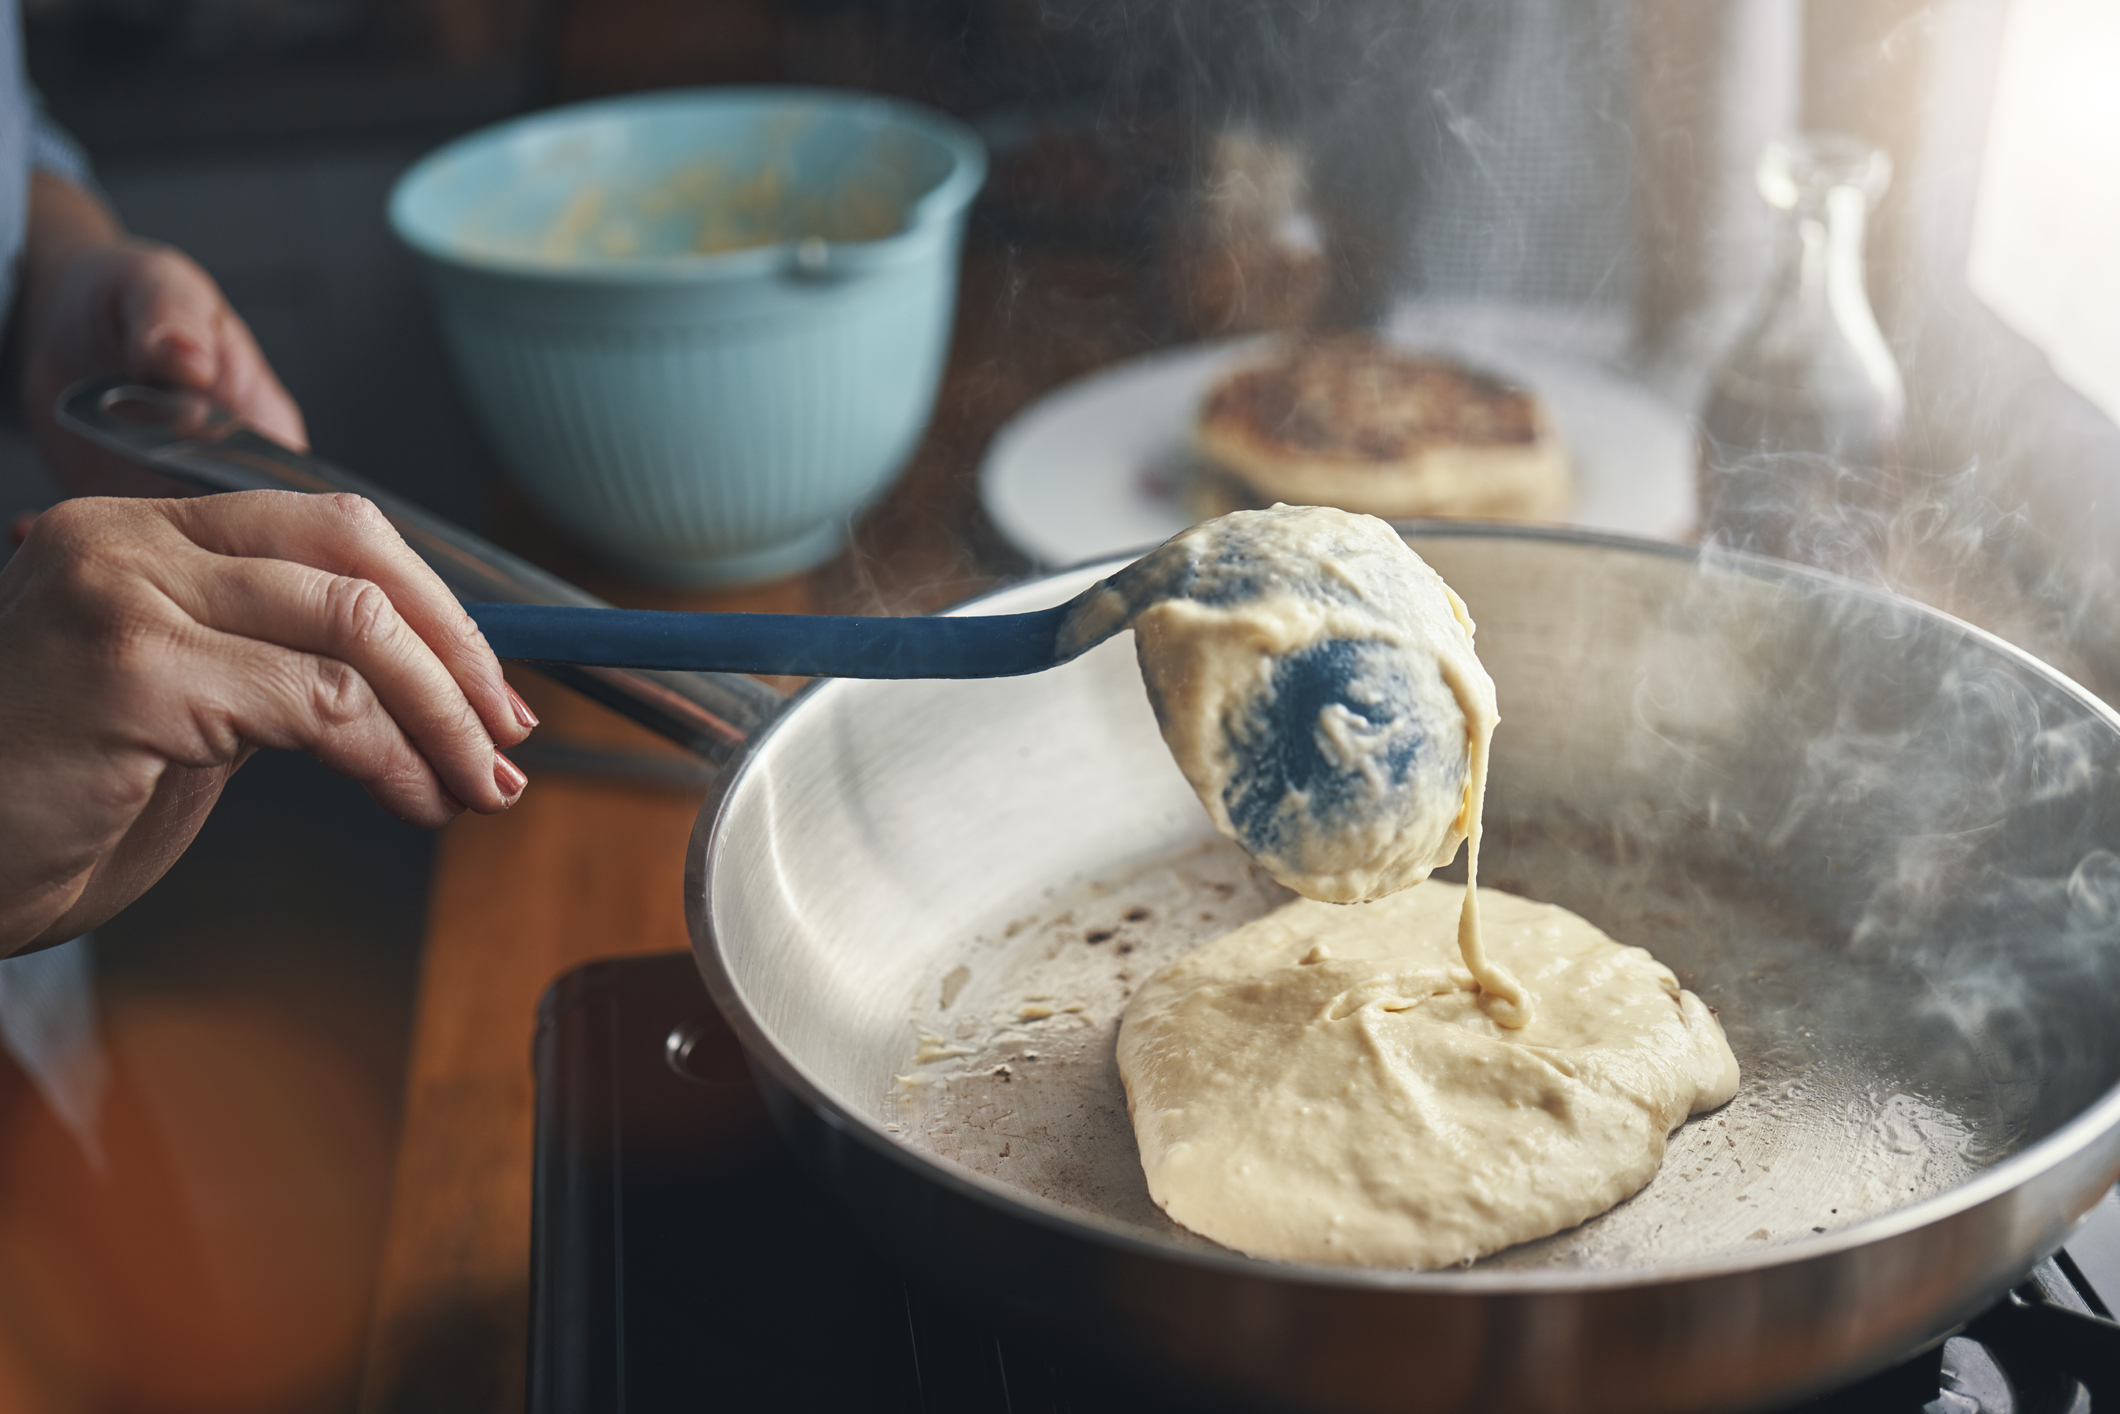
{"type": "Point", "coordinates": [1322, 1084]}
{"type": "Point", "coordinates": [708, 208]}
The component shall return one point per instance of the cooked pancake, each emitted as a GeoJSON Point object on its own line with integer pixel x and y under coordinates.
{"type": "Point", "coordinates": [1346, 420]}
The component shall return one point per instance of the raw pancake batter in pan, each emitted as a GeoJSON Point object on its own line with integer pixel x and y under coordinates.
{"type": "Point", "coordinates": [1323, 1085]}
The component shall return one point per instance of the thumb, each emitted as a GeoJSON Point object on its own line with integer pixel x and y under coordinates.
{"type": "Point", "coordinates": [168, 315]}
{"type": "Point", "coordinates": [178, 328]}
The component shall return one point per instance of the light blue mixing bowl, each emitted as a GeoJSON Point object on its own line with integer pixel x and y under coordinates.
{"type": "Point", "coordinates": [700, 416]}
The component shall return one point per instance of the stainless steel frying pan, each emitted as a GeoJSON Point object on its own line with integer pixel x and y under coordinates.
{"type": "Point", "coordinates": [1879, 841]}
{"type": "Point", "coordinates": [1886, 846]}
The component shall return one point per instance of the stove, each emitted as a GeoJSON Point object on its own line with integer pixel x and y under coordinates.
{"type": "Point", "coordinates": [681, 1260]}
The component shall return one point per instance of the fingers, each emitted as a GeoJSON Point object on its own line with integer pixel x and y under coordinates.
{"type": "Point", "coordinates": [18, 528]}
{"type": "Point", "coordinates": [262, 693]}
{"type": "Point", "coordinates": [346, 535]}
{"type": "Point", "coordinates": [327, 578]}
{"type": "Point", "coordinates": [338, 619]}
{"type": "Point", "coordinates": [191, 657]}
{"type": "Point", "coordinates": [175, 326]}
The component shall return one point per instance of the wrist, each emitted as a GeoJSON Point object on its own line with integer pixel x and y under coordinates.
{"type": "Point", "coordinates": [65, 222]}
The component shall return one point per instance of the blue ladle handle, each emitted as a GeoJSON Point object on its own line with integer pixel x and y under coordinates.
{"type": "Point", "coordinates": [806, 645]}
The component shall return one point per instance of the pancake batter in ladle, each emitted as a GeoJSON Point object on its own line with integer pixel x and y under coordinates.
{"type": "Point", "coordinates": [1323, 1084]}
{"type": "Point", "coordinates": [1316, 681]}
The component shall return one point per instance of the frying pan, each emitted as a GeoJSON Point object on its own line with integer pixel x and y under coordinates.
{"type": "Point", "coordinates": [1885, 845]}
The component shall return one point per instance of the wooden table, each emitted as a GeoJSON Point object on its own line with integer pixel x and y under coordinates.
{"type": "Point", "coordinates": [584, 867]}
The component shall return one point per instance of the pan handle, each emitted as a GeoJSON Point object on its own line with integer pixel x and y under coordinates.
{"type": "Point", "coordinates": [192, 439]}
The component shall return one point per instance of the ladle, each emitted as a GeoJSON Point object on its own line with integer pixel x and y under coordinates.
{"type": "Point", "coordinates": [1345, 744]}
{"type": "Point", "coordinates": [683, 675]}
{"type": "Point", "coordinates": [821, 645]}
{"type": "Point", "coordinates": [806, 645]}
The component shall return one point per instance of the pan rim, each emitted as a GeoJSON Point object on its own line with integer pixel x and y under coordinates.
{"type": "Point", "coordinates": [1995, 1183]}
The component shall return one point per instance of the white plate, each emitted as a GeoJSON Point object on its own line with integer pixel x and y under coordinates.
{"type": "Point", "coordinates": [1097, 465]}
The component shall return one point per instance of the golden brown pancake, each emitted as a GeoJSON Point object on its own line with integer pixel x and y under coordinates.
{"type": "Point", "coordinates": [1346, 420]}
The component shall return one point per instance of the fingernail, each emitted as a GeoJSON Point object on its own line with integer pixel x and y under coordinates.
{"type": "Point", "coordinates": [167, 343]}
{"type": "Point", "coordinates": [456, 807]}
{"type": "Point", "coordinates": [523, 715]}
{"type": "Point", "coordinates": [508, 776]}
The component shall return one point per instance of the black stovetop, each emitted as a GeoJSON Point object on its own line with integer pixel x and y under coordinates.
{"type": "Point", "coordinates": [681, 1260]}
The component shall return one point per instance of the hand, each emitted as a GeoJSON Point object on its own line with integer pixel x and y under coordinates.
{"type": "Point", "coordinates": [96, 300]}
{"type": "Point", "coordinates": [148, 647]}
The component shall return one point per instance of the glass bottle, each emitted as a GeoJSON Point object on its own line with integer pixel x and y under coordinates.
{"type": "Point", "coordinates": [1800, 430]}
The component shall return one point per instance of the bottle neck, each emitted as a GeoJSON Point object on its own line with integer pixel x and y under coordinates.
{"type": "Point", "coordinates": [1816, 326]}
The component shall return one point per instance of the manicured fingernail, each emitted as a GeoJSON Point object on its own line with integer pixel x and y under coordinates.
{"type": "Point", "coordinates": [456, 807]}
{"type": "Point", "coordinates": [508, 776]}
{"type": "Point", "coordinates": [523, 715]}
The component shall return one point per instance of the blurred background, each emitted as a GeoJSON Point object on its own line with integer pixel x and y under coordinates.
{"type": "Point", "coordinates": [1584, 164]}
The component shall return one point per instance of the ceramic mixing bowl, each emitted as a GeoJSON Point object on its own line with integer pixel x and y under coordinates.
{"type": "Point", "coordinates": [704, 328]}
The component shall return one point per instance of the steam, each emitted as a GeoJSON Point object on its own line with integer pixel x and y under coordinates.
{"type": "Point", "coordinates": [1949, 810]}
